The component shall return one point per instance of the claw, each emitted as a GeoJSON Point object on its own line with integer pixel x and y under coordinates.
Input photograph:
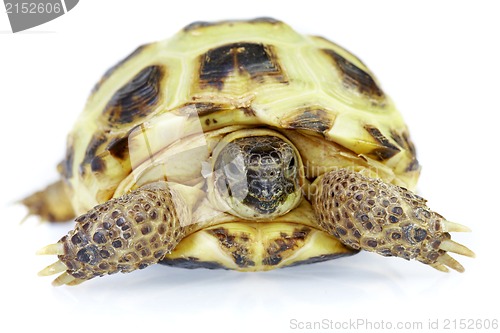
{"type": "Point", "coordinates": [75, 282]}
{"type": "Point", "coordinates": [27, 216]}
{"type": "Point", "coordinates": [445, 259]}
{"type": "Point", "coordinates": [62, 279]}
{"type": "Point", "coordinates": [440, 267]}
{"type": "Point", "coordinates": [455, 227]}
{"type": "Point", "coordinates": [55, 268]}
{"type": "Point", "coordinates": [52, 249]}
{"type": "Point", "coordinates": [452, 246]}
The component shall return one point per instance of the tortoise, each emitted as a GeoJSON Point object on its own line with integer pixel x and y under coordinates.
{"type": "Point", "coordinates": [240, 145]}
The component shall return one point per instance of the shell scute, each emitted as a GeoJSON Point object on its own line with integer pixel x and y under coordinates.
{"type": "Point", "coordinates": [255, 59]}
{"type": "Point", "coordinates": [311, 118]}
{"type": "Point", "coordinates": [137, 98]}
{"type": "Point", "coordinates": [118, 147]}
{"type": "Point", "coordinates": [97, 140]}
{"type": "Point", "coordinates": [354, 77]}
{"type": "Point", "coordinates": [386, 149]}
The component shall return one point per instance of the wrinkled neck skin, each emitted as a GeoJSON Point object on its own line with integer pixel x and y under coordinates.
{"type": "Point", "coordinates": [256, 176]}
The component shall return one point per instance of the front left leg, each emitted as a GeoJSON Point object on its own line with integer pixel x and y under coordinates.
{"type": "Point", "coordinates": [121, 235]}
{"type": "Point", "coordinates": [366, 213]}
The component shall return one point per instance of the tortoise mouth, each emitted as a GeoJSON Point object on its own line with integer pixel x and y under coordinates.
{"type": "Point", "coordinates": [257, 176]}
{"type": "Point", "coordinates": [265, 196]}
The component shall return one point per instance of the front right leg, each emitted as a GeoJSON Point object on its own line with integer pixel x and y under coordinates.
{"type": "Point", "coordinates": [366, 213]}
{"type": "Point", "coordinates": [121, 235]}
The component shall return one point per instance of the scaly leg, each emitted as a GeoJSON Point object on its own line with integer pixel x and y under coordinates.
{"type": "Point", "coordinates": [368, 214]}
{"type": "Point", "coordinates": [121, 235]}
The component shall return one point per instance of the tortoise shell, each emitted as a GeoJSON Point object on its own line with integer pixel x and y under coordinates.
{"type": "Point", "coordinates": [236, 73]}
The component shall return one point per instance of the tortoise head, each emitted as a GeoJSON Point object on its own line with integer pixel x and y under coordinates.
{"type": "Point", "coordinates": [258, 177]}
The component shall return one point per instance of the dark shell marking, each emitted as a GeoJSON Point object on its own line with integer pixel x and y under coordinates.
{"type": "Point", "coordinates": [321, 258]}
{"type": "Point", "coordinates": [194, 263]}
{"type": "Point", "coordinates": [387, 150]}
{"type": "Point", "coordinates": [283, 246]}
{"type": "Point", "coordinates": [118, 146]}
{"type": "Point", "coordinates": [97, 164]}
{"type": "Point", "coordinates": [236, 245]}
{"type": "Point", "coordinates": [67, 164]}
{"type": "Point", "coordinates": [97, 140]}
{"type": "Point", "coordinates": [403, 140]}
{"type": "Point", "coordinates": [258, 60]}
{"type": "Point", "coordinates": [354, 77]}
{"type": "Point", "coordinates": [316, 120]}
{"type": "Point", "coordinates": [202, 109]}
{"type": "Point", "coordinates": [191, 263]}
{"type": "Point", "coordinates": [137, 98]}
{"type": "Point", "coordinates": [101, 148]}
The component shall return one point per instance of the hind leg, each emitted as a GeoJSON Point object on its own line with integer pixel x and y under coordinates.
{"type": "Point", "coordinates": [50, 204]}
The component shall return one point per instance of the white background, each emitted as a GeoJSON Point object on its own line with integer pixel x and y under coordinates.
{"type": "Point", "coordinates": [439, 60]}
